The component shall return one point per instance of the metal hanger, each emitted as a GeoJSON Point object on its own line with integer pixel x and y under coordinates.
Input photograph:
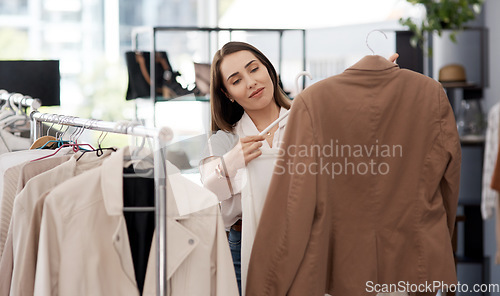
{"type": "Point", "coordinates": [300, 74]}
{"type": "Point", "coordinates": [45, 142]}
{"type": "Point", "coordinates": [269, 127]}
{"type": "Point", "coordinates": [74, 144]}
{"type": "Point", "coordinates": [368, 35]}
{"type": "Point", "coordinates": [99, 151]}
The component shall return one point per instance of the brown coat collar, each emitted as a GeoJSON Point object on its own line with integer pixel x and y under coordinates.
{"type": "Point", "coordinates": [373, 63]}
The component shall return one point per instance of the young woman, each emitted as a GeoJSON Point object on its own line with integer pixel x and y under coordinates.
{"type": "Point", "coordinates": [245, 98]}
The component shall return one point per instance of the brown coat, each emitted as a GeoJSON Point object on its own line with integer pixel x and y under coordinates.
{"type": "Point", "coordinates": [366, 188]}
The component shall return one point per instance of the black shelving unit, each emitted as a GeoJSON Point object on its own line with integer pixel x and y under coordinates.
{"type": "Point", "coordinates": [154, 31]}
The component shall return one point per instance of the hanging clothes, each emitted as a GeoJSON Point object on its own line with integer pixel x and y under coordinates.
{"type": "Point", "coordinates": [139, 191]}
{"type": "Point", "coordinates": [84, 246]}
{"type": "Point", "coordinates": [489, 196]}
{"type": "Point", "coordinates": [15, 179]}
{"type": "Point", "coordinates": [253, 196]}
{"type": "Point", "coordinates": [10, 142]}
{"type": "Point", "coordinates": [27, 214]}
{"type": "Point", "coordinates": [368, 189]}
{"type": "Point", "coordinates": [13, 124]}
{"type": "Point", "coordinates": [8, 160]}
{"type": "Point", "coordinates": [491, 173]}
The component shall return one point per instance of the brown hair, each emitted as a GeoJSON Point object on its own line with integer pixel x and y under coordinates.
{"type": "Point", "coordinates": [225, 114]}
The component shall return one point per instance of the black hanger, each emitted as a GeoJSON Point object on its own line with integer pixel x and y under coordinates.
{"type": "Point", "coordinates": [100, 150]}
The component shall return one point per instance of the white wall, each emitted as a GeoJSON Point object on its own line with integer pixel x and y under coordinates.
{"type": "Point", "coordinates": [492, 22]}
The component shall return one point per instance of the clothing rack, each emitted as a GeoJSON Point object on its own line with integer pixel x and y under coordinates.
{"type": "Point", "coordinates": [20, 100]}
{"type": "Point", "coordinates": [161, 137]}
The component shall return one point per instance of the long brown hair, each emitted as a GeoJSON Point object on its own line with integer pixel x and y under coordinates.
{"type": "Point", "coordinates": [225, 113]}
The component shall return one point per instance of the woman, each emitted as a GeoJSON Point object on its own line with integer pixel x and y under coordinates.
{"type": "Point", "coordinates": [245, 98]}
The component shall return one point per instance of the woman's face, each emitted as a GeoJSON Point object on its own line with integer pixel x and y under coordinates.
{"type": "Point", "coordinates": [247, 80]}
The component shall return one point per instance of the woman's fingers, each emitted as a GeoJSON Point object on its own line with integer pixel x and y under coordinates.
{"type": "Point", "coordinates": [252, 139]}
{"type": "Point", "coordinates": [393, 58]}
{"type": "Point", "coordinates": [250, 147]}
{"type": "Point", "coordinates": [254, 145]}
{"type": "Point", "coordinates": [251, 151]}
{"type": "Point", "coordinates": [252, 155]}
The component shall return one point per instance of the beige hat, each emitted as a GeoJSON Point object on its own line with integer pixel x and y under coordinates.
{"type": "Point", "coordinates": [452, 73]}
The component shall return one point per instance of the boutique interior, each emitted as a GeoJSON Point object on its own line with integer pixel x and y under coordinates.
{"type": "Point", "coordinates": [77, 74]}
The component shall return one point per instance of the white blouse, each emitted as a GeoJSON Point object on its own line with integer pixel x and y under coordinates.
{"type": "Point", "coordinates": [219, 144]}
{"type": "Point", "coordinates": [489, 196]}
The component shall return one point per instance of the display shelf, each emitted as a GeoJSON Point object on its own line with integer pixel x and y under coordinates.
{"type": "Point", "coordinates": [153, 32]}
{"type": "Point", "coordinates": [186, 98]}
{"type": "Point", "coordinates": [472, 140]}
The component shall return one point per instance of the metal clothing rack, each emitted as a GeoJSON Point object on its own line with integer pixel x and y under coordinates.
{"type": "Point", "coordinates": [161, 137]}
{"type": "Point", "coordinates": [20, 100]}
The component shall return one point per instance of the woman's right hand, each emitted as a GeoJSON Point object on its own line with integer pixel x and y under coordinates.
{"type": "Point", "coordinates": [245, 151]}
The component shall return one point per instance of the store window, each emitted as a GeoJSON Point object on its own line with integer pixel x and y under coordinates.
{"type": "Point", "coordinates": [13, 6]}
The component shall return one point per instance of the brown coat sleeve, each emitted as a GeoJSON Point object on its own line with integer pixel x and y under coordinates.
{"type": "Point", "coordinates": [451, 178]}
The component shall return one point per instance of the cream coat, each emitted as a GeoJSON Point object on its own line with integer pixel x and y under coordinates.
{"type": "Point", "coordinates": [84, 247]}
{"type": "Point", "coordinates": [27, 214]}
{"type": "Point", "coordinates": [14, 180]}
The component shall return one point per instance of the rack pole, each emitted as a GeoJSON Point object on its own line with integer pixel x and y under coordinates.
{"type": "Point", "coordinates": [164, 133]}
{"type": "Point", "coordinates": [161, 218]}
{"type": "Point", "coordinates": [22, 101]}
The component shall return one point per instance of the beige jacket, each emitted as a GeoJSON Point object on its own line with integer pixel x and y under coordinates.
{"type": "Point", "coordinates": [8, 161]}
{"type": "Point", "coordinates": [17, 177]}
{"type": "Point", "coordinates": [84, 247]}
{"type": "Point", "coordinates": [366, 189]}
{"type": "Point", "coordinates": [27, 214]}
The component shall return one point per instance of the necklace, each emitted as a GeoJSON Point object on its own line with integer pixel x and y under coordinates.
{"type": "Point", "coordinates": [270, 133]}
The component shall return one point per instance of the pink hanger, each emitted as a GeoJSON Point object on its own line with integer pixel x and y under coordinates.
{"type": "Point", "coordinates": [76, 148]}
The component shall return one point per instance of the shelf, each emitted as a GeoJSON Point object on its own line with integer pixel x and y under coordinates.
{"type": "Point", "coordinates": [153, 32]}
{"type": "Point", "coordinates": [186, 98]}
{"type": "Point", "coordinates": [465, 259]}
{"type": "Point", "coordinates": [472, 139]}
{"type": "Point", "coordinates": [464, 84]}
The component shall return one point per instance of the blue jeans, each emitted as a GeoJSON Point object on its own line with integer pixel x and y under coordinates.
{"type": "Point", "coordinates": [234, 239]}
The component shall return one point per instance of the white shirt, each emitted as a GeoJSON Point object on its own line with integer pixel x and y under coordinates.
{"type": "Point", "coordinates": [221, 143]}
{"type": "Point", "coordinates": [489, 196]}
{"type": "Point", "coordinates": [253, 197]}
